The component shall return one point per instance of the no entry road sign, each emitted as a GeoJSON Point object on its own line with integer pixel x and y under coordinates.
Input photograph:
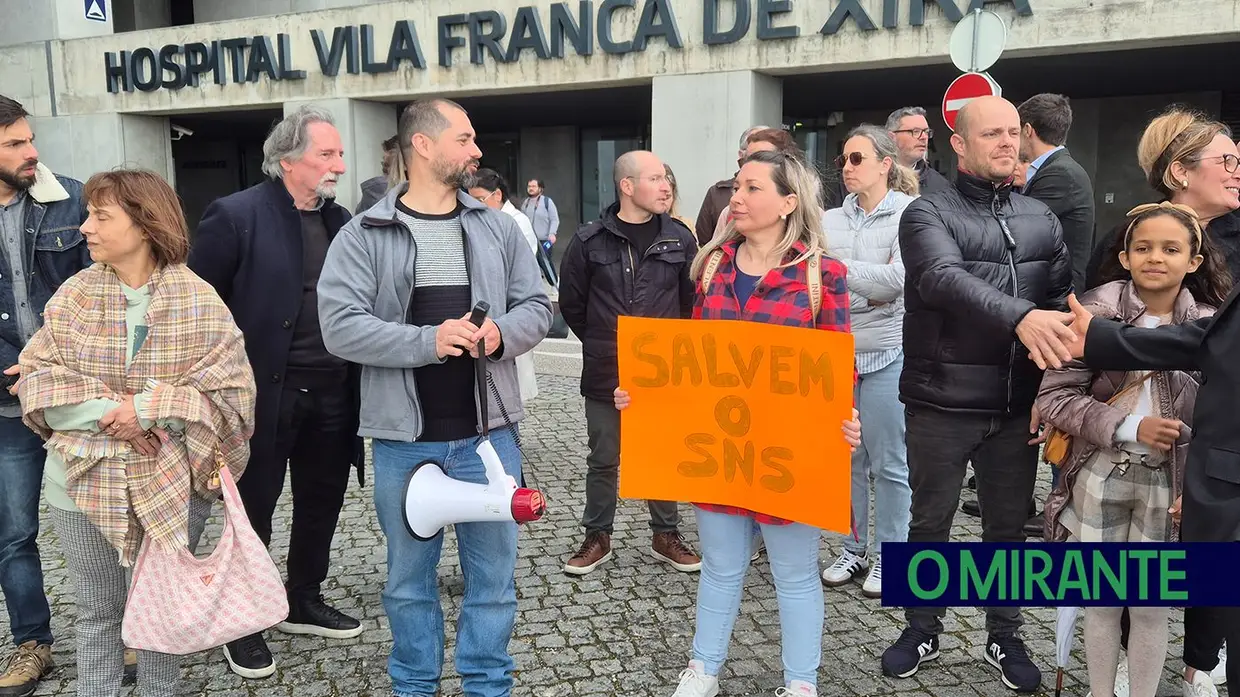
{"type": "Point", "coordinates": [965, 89]}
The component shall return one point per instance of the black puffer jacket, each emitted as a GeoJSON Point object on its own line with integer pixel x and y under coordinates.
{"type": "Point", "coordinates": [968, 283]}
{"type": "Point", "coordinates": [597, 285]}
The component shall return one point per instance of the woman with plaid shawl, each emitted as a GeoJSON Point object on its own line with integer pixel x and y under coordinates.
{"type": "Point", "coordinates": [140, 385]}
{"type": "Point", "coordinates": [760, 269]}
{"type": "Point", "coordinates": [1124, 470]}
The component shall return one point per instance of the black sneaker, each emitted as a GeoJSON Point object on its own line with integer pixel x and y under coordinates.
{"type": "Point", "coordinates": [249, 657]}
{"type": "Point", "coordinates": [1008, 654]}
{"type": "Point", "coordinates": [313, 616]}
{"type": "Point", "coordinates": [971, 507]}
{"type": "Point", "coordinates": [914, 647]}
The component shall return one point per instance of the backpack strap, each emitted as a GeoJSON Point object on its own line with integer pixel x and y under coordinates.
{"type": "Point", "coordinates": [712, 264]}
{"type": "Point", "coordinates": [814, 281]}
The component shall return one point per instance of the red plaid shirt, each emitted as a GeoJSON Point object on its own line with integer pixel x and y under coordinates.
{"type": "Point", "coordinates": [781, 297]}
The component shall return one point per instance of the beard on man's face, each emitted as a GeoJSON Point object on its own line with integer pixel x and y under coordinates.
{"type": "Point", "coordinates": [457, 176]}
{"type": "Point", "coordinates": [18, 181]}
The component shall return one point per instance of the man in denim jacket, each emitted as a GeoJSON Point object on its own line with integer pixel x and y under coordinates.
{"type": "Point", "coordinates": [40, 247]}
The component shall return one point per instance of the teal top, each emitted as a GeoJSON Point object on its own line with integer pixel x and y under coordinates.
{"type": "Point", "coordinates": [86, 416]}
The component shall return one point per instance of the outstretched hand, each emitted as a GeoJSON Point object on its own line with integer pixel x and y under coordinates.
{"type": "Point", "coordinates": [1048, 336]}
{"type": "Point", "coordinates": [1080, 326]}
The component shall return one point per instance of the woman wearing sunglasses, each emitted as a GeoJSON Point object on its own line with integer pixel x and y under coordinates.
{"type": "Point", "coordinates": [864, 234]}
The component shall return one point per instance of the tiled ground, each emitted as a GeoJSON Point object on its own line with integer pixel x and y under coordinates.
{"type": "Point", "coordinates": [624, 630]}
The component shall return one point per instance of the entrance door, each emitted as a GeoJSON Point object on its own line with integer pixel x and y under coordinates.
{"type": "Point", "coordinates": [501, 152]}
{"type": "Point", "coordinates": [599, 149]}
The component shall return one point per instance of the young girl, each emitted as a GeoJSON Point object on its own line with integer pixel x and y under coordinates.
{"type": "Point", "coordinates": [758, 270]}
{"type": "Point", "coordinates": [1130, 430]}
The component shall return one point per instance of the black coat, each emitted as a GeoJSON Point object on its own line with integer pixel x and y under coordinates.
{"type": "Point", "coordinates": [1062, 184]}
{"type": "Point", "coordinates": [597, 285]}
{"type": "Point", "coordinates": [967, 286]}
{"type": "Point", "coordinates": [248, 247]}
{"type": "Point", "coordinates": [1211, 510]}
{"type": "Point", "coordinates": [373, 189]}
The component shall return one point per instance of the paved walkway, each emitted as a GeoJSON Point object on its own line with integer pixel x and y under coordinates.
{"type": "Point", "coordinates": [624, 630]}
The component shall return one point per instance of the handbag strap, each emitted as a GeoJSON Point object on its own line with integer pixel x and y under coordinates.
{"type": "Point", "coordinates": [1130, 387]}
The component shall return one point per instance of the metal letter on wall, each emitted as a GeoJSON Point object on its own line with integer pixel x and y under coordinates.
{"type": "Point", "coordinates": [199, 60]}
{"type": "Point", "coordinates": [116, 71]}
{"type": "Point", "coordinates": [262, 60]}
{"type": "Point", "coordinates": [236, 55]}
{"type": "Point", "coordinates": [488, 40]}
{"type": "Point", "coordinates": [145, 69]}
{"type": "Point", "coordinates": [766, 28]}
{"type": "Point", "coordinates": [711, 35]}
{"type": "Point", "coordinates": [563, 26]}
{"type": "Point", "coordinates": [527, 32]}
{"type": "Point", "coordinates": [284, 59]}
{"type": "Point", "coordinates": [665, 26]}
{"type": "Point", "coordinates": [405, 46]}
{"type": "Point", "coordinates": [370, 66]}
{"type": "Point", "coordinates": [605, 40]}
{"type": "Point", "coordinates": [844, 10]}
{"type": "Point", "coordinates": [168, 64]}
{"type": "Point", "coordinates": [447, 41]}
{"type": "Point", "coordinates": [917, 11]}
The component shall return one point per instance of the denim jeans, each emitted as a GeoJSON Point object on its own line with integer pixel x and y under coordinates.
{"type": "Point", "coordinates": [21, 574]}
{"type": "Point", "coordinates": [792, 551]}
{"type": "Point", "coordinates": [882, 455]}
{"type": "Point", "coordinates": [488, 554]}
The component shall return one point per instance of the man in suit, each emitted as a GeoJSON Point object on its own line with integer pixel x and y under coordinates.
{"type": "Point", "coordinates": [1210, 502]}
{"type": "Point", "coordinates": [1057, 180]}
{"type": "Point", "coordinates": [262, 250]}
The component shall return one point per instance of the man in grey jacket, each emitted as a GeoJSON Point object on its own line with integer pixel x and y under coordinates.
{"type": "Point", "coordinates": [395, 295]}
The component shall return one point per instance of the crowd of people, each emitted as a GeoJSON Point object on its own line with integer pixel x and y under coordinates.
{"type": "Point", "coordinates": [141, 366]}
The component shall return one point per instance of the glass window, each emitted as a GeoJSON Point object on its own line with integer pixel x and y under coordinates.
{"type": "Point", "coordinates": [599, 150]}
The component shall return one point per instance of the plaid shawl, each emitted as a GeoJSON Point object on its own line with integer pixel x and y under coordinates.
{"type": "Point", "coordinates": [195, 353]}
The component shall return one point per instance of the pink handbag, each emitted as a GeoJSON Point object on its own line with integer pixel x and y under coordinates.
{"type": "Point", "coordinates": [179, 604]}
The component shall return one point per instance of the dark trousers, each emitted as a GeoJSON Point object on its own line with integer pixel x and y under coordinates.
{"type": "Point", "coordinates": [940, 446]}
{"type": "Point", "coordinates": [603, 474]}
{"type": "Point", "coordinates": [314, 444]}
{"type": "Point", "coordinates": [1205, 630]}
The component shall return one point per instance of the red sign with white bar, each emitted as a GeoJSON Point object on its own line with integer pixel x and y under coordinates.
{"type": "Point", "coordinates": [965, 89]}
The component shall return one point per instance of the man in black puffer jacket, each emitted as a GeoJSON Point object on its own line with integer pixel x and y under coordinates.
{"type": "Point", "coordinates": [634, 261]}
{"type": "Point", "coordinates": [986, 271]}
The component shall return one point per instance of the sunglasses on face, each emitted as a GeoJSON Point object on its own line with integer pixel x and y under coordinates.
{"type": "Point", "coordinates": [853, 158]}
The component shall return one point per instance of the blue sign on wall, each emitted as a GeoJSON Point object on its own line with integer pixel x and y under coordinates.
{"type": "Point", "coordinates": [97, 10]}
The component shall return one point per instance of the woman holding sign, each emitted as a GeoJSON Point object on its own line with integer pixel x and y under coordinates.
{"type": "Point", "coordinates": [769, 258]}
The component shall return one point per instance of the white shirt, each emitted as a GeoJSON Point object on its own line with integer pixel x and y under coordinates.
{"type": "Point", "coordinates": [523, 222]}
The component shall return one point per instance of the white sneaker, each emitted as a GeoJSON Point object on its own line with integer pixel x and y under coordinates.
{"type": "Point", "coordinates": [1201, 686]}
{"type": "Point", "coordinates": [845, 569]}
{"type": "Point", "coordinates": [1219, 674]}
{"type": "Point", "coordinates": [873, 586]}
{"type": "Point", "coordinates": [797, 688]}
{"type": "Point", "coordinates": [757, 545]}
{"type": "Point", "coordinates": [1121, 678]}
{"type": "Point", "coordinates": [694, 682]}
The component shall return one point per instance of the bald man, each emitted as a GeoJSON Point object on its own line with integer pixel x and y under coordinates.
{"type": "Point", "coordinates": [986, 271]}
{"type": "Point", "coordinates": [633, 261]}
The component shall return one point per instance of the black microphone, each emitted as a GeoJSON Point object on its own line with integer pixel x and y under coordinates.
{"type": "Point", "coordinates": [479, 314]}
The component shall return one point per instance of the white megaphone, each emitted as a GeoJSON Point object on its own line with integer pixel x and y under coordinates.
{"type": "Point", "coordinates": [433, 500]}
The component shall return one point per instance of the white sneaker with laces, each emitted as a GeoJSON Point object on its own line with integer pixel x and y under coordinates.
{"type": "Point", "coordinates": [797, 688]}
{"type": "Point", "coordinates": [847, 567]}
{"type": "Point", "coordinates": [1219, 674]}
{"type": "Point", "coordinates": [1201, 686]}
{"type": "Point", "coordinates": [873, 586]}
{"type": "Point", "coordinates": [1121, 678]}
{"type": "Point", "coordinates": [694, 682]}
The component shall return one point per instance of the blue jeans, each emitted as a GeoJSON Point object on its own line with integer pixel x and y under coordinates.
{"type": "Point", "coordinates": [793, 554]}
{"type": "Point", "coordinates": [882, 455]}
{"type": "Point", "coordinates": [488, 554]}
{"type": "Point", "coordinates": [21, 574]}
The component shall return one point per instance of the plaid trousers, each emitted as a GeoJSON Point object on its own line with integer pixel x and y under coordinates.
{"type": "Point", "coordinates": [102, 585]}
{"type": "Point", "coordinates": [1119, 502]}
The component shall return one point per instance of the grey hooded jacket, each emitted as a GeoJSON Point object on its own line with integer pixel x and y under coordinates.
{"type": "Point", "coordinates": [367, 286]}
{"type": "Point", "coordinates": [869, 246]}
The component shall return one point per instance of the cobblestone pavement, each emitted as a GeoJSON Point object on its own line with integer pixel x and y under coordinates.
{"type": "Point", "coordinates": [626, 629]}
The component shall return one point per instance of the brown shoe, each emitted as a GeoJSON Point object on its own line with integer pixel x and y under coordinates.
{"type": "Point", "coordinates": [131, 668]}
{"type": "Point", "coordinates": [670, 547]}
{"type": "Point", "coordinates": [26, 666]}
{"type": "Point", "coordinates": [594, 551]}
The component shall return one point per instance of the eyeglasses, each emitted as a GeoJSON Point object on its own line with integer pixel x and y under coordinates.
{"type": "Point", "coordinates": [917, 132]}
{"type": "Point", "coordinates": [1230, 162]}
{"type": "Point", "coordinates": [853, 158]}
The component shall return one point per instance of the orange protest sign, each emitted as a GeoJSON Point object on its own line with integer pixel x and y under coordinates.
{"type": "Point", "coordinates": [737, 413]}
